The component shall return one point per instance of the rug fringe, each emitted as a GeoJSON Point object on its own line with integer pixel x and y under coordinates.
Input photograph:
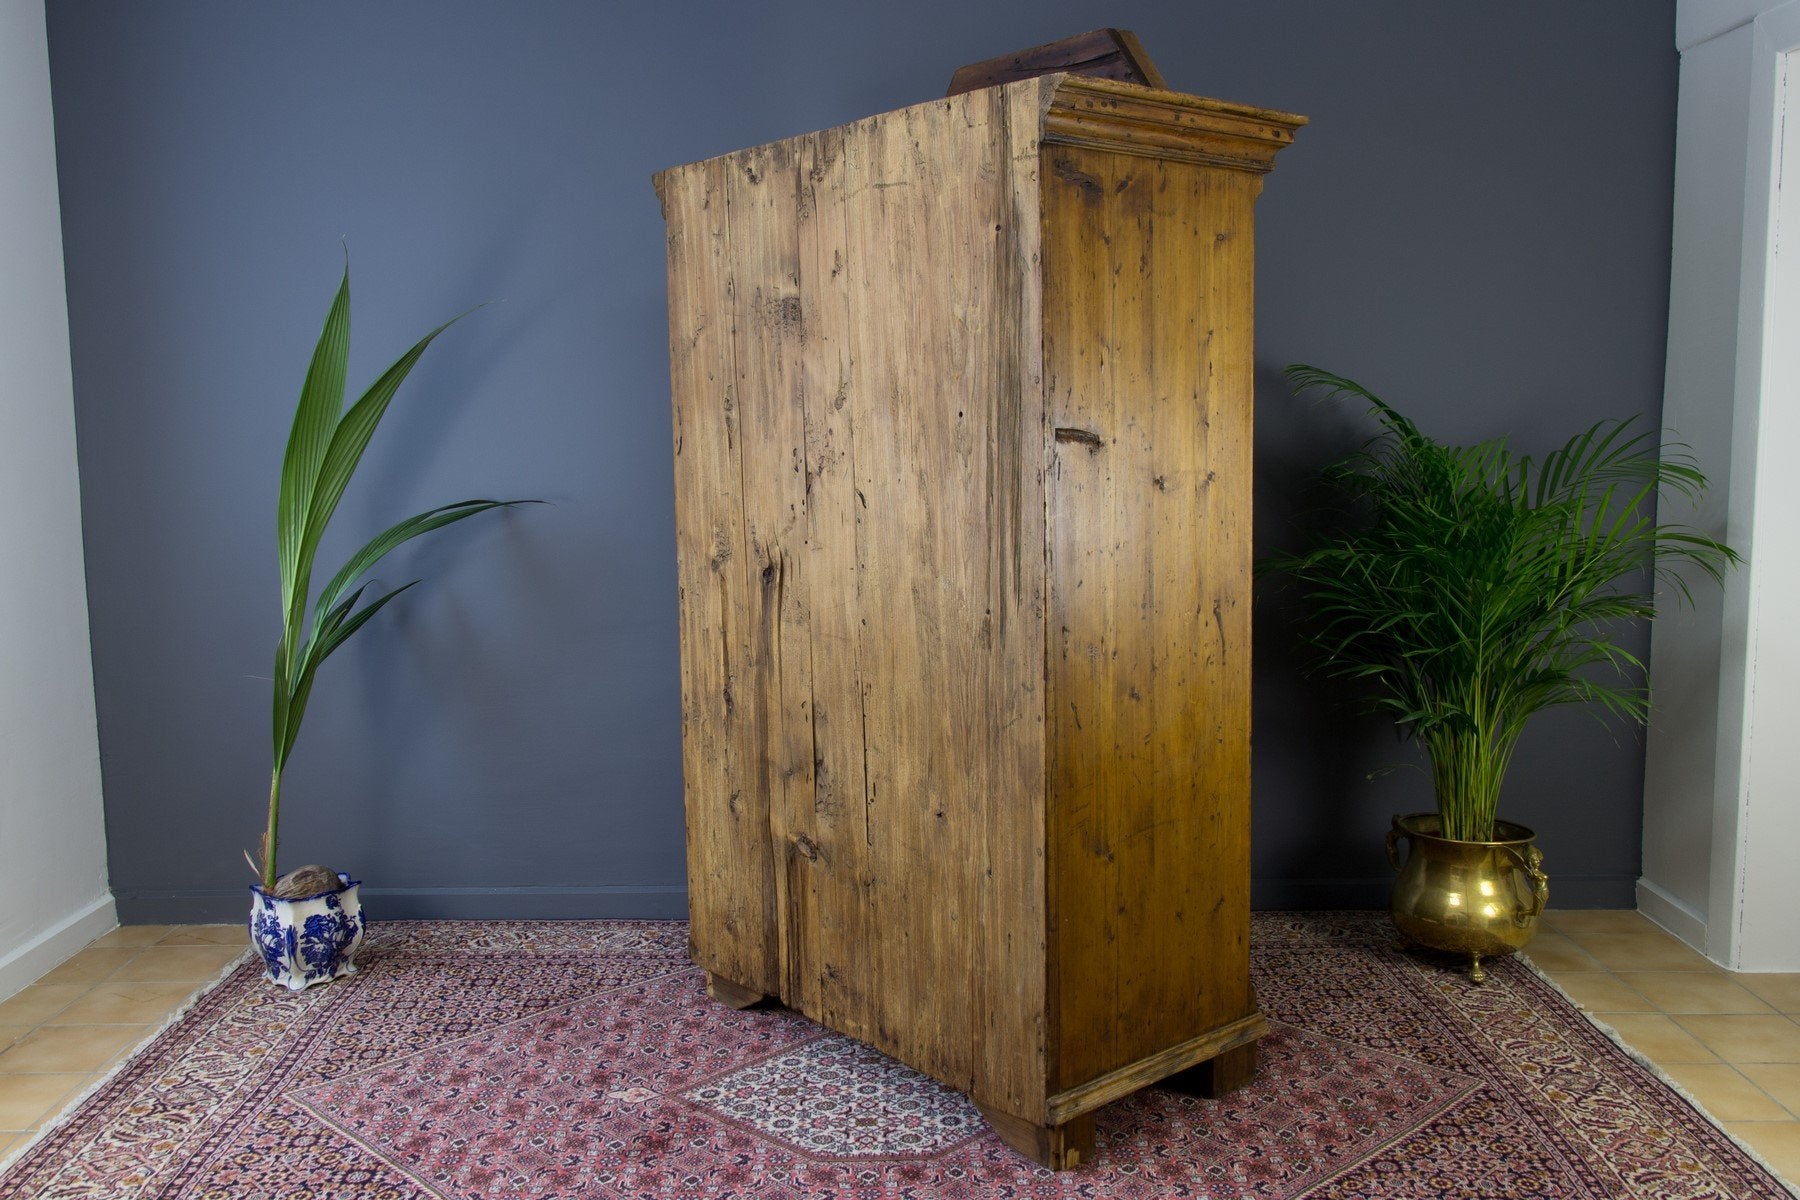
{"type": "Point", "coordinates": [1638, 1056]}
{"type": "Point", "coordinates": [186, 1006]}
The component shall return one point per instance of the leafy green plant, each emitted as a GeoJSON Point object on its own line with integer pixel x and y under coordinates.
{"type": "Point", "coordinates": [323, 450]}
{"type": "Point", "coordinates": [1470, 588]}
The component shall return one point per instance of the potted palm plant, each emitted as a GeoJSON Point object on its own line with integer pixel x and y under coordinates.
{"type": "Point", "coordinates": [308, 924]}
{"type": "Point", "coordinates": [1466, 589]}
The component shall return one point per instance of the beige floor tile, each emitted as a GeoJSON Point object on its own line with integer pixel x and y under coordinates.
{"type": "Point", "coordinates": [120, 1003]}
{"type": "Point", "coordinates": [1591, 921]}
{"type": "Point", "coordinates": [177, 964]}
{"type": "Point", "coordinates": [133, 935]}
{"type": "Point", "coordinates": [1655, 951]}
{"type": "Point", "coordinates": [1777, 1141]}
{"type": "Point", "coordinates": [61, 1048]}
{"type": "Point", "coordinates": [1655, 1036]}
{"type": "Point", "coordinates": [1780, 990]}
{"type": "Point", "coordinates": [1780, 1080]}
{"type": "Point", "coordinates": [1552, 952]}
{"type": "Point", "coordinates": [1601, 992]}
{"type": "Point", "coordinates": [12, 1033]}
{"type": "Point", "coordinates": [1747, 1038]}
{"type": "Point", "coordinates": [1725, 1093]}
{"type": "Point", "coordinates": [92, 965]}
{"type": "Point", "coordinates": [39, 1002]}
{"type": "Point", "coordinates": [27, 1099]}
{"type": "Point", "coordinates": [9, 1142]}
{"type": "Point", "coordinates": [1694, 992]}
{"type": "Point", "coordinates": [208, 935]}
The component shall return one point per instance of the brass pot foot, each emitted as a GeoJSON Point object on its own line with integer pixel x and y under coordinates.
{"type": "Point", "coordinates": [1476, 974]}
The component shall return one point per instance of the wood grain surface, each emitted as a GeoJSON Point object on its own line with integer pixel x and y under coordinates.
{"type": "Point", "coordinates": [961, 427]}
{"type": "Point", "coordinates": [1147, 309]}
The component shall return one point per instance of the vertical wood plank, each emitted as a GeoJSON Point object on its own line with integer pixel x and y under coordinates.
{"type": "Point", "coordinates": [839, 986]}
{"type": "Point", "coordinates": [762, 306]}
{"type": "Point", "coordinates": [1207, 686]}
{"type": "Point", "coordinates": [731, 895]}
{"type": "Point", "coordinates": [1171, 219]}
{"type": "Point", "coordinates": [919, 442]}
{"type": "Point", "coordinates": [1193, 226]}
{"type": "Point", "coordinates": [1010, 980]}
{"type": "Point", "coordinates": [1085, 777]}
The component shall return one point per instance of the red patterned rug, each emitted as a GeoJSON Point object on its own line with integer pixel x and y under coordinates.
{"type": "Point", "coordinates": [583, 1059]}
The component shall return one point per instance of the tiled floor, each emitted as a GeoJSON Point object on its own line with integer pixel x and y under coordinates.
{"type": "Point", "coordinates": [64, 1033]}
{"type": "Point", "coordinates": [1732, 1041]}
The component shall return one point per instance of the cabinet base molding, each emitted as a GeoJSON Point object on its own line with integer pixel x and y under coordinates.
{"type": "Point", "coordinates": [1114, 1085]}
{"type": "Point", "coordinates": [1059, 1147]}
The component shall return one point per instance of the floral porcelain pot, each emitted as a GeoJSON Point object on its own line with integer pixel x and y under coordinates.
{"type": "Point", "coordinates": [309, 940]}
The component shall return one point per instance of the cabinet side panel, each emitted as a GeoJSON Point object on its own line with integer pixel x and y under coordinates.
{"type": "Point", "coordinates": [1147, 334]}
{"type": "Point", "coordinates": [731, 897]}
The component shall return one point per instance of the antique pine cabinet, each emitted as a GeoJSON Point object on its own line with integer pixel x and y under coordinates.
{"type": "Point", "coordinates": [962, 430]}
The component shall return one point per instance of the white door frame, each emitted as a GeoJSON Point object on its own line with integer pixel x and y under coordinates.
{"type": "Point", "coordinates": [1756, 878]}
{"type": "Point", "coordinates": [1738, 400]}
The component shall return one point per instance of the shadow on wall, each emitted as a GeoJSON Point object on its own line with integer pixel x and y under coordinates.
{"type": "Point", "coordinates": [1342, 769]}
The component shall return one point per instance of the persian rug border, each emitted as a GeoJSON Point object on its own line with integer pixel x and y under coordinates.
{"type": "Point", "coordinates": [1663, 1077]}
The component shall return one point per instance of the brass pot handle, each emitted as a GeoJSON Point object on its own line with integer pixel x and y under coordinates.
{"type": "Point", "coordinates": [1531, 862]}
{"type": "Point", "coordinates": [1394, 834]}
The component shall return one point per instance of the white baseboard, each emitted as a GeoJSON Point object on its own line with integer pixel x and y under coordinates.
{"type": "Point", "coordinates": [36, 958]}
{"type": "Point", "coordinates": [1676, 916]}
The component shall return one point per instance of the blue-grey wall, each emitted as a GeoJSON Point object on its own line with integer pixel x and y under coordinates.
{"type": "Point", "coordinates": [1475, 224]}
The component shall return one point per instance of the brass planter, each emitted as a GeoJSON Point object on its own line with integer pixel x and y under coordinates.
{"type": "Point", "coordinates": [1481, 899]}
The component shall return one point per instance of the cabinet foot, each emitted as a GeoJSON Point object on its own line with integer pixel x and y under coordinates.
{"type": "Point", "coordinates": [732, 995]}
{"type": "Point", "coordinates": [1059, 1147]}
{"type": "Point", "coordinates": [1226, 1072]}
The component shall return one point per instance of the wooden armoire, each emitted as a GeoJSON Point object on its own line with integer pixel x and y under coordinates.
{"type": "Point", "coordinates": [962, 428]}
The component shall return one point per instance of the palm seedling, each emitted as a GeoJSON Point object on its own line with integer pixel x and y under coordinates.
{"type": "Point", "coordinates": [1468, 588]}
{"type": "Point", "coordinates": [323, 450]}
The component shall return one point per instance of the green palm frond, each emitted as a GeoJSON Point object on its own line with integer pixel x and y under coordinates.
{"type": "Point", "coordinates": [1468, 589]}
{"type": "Point", "coordinates": [323, 450]}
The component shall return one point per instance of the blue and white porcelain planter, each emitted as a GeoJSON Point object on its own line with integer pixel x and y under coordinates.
{"type": "Point", "coordinates": [309, 940]}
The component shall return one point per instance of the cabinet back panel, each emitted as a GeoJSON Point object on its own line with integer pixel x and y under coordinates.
{"type": "Point", "coordinates": [869, 586]}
